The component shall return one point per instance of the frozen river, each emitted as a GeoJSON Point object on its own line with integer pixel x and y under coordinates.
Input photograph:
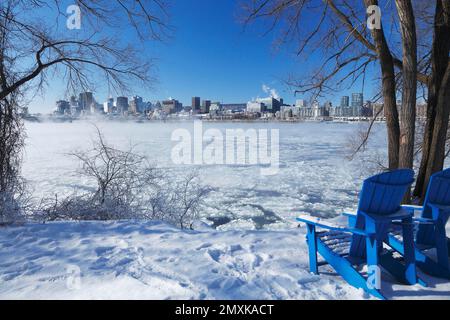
{"type": "Point", "coordinates": [315, 175]}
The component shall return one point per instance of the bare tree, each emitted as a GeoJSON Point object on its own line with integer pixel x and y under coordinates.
{"type": "Point", "coordinates": [177, 200]}
{"type": "Point", "coordinates": [386, 59]}
{"type": "Point", "coordinates": [186, 200]}
{"type": "Point", "coordinates": [127, 186]}
{"type": "Point", "coordinates": [35, 45]}
{"type": "Point", "coordinates": [119, 175]}
{"type": "Point", "coordinates": [435, 127]}
{"type": "Point", "coordinates": [39, 44]}
{"type": "Point", "coordinates": [337, 28]}
{"type": "Point", "coordinates": [409, 88]}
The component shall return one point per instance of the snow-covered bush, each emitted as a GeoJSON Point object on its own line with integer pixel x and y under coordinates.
{"type": "Point", "coordinates": [13, 189]}
{"type": "Point", "coordinates": [10, 209]}
{"type": "Point", "coordinates": [177, 200]}
{"type": "Point", "coordinates": [127, 187]}
{"type": "Point", "coordinates": [81, 207]}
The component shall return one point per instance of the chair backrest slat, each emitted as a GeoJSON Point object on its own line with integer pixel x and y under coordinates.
{"type": "Point", "coordinates": [381, 195]}
{"type": "Point", "coordinates": [438, 192]}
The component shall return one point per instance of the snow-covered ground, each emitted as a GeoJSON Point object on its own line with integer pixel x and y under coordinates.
{"type": "Point", "coordinates": [315, 175]}
{"type": "Point", "coordinates": [151, 260]}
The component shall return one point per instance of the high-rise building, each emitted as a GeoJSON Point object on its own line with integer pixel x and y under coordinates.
{"type": "Point", "coordinates": [269, 105]}
{"type": "Point", "coordinates": [96, 108]}
{"type": "Point", "coordinates": [272, 105]}
{"type": "Point", "coordinates": [85, 101]}
{"type": "Point", "coordinates": [378, 110]}
{"type": "Point", "coordinates": [357, 104]}
{"type": "Point", "coordinates": [122, 104]}
{"type": "Point", "coordinates": [256, 106]}
{"type": "Point", "coordinates": [171, 106]}
{"type": "Point", "coordinates": [357, 99]}
{"type": "Point", "coordinates": [196, 104]}
{"type": "Point", "coordinates": [234, 107]}
{"type": "Point", "coordinates": [345, 101]}
{"type": "Point", "coordinates": [108, 106]}
{"type": "Point", "coordinates": [147, 107]}
{"type": "Point", "coordinates": [367, 109]}
{"type": "Point", "coordinates": [328, 108]}
{"type": "Point", "coordinates": [136, 104]}
{"type": "Point", "coordinates": [301, 103]}
{"type": "Point", "coordinates": [74, 108]}
{"type": "Point", "coordinates": [344, 109]}
{"type": "Point", "coordinates": [73, 102]}
{"type": "Point", "coordinates": [206, 104]}
{"type": "Point", "coordinates": [62, 107]}
{"type": "Point", "coordinates": [215, 109]}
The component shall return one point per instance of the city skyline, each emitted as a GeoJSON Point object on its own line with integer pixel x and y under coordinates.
{"type": "Point", "coordinates": [86, 98]}
{"type": "Point", "coordinates": [261, 108]}
{"type": "Point", "coordinates": [212, 57]}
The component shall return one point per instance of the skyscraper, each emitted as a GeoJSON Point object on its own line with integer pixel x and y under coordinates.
{"type": "Point", "coordinates": [108, 106]}
{"type": "Point", "coordinates": [122, 104]}
{"type": "Point", "coordinates": [345, 101]}
{"type": "Point", "coordinates": [171, 106]}
{"type": "Point", "coordinates": [357, 104]}
{"type": "Point", "coordinates": [357, 100]}
{"type": "Point", "coordinates": [85, 101]}
{"type": "Point", "coordinates": [62, 107]}
{"type": "Point", "coordinates": [136, 104]}
{"type": "Point", "coordinates": [301, 103]}
{"type": "Point", "coordinates": [195, 104]}
{"type": "Point", "coordinates": [206, 104]}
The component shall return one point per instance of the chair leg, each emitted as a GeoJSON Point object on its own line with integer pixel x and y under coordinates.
{"type": "Point", "coordinates": [409, 253]}
{"type": "Point", "coordinates": [312, 248]}
{"type": "Point", "coordinates": [373, 269]}
{"type": "Point", "coordinates": [442, 249]}
{"type": "Point", "coordinates": [448, 246]}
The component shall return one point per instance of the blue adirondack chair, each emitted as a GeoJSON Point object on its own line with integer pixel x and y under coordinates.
{"type": "Point", "coordinates": [347, 248]}
{"type": "Point", "coordinates": [430, 227]}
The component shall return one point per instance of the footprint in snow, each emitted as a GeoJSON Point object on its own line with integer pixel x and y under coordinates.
{"type": "Point", "coordinates": [215, 254]}
{"type": "Point", "coordinates": [103, 250]}
{"type": "Point", "coordinates": [203, 246]}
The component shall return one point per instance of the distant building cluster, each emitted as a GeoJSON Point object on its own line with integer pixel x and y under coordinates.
{"type": "Point", "coordinates": [86, 104]}
{"type": "Point", "coordinates": [349, 109]}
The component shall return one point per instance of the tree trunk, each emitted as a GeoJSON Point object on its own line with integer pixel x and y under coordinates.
{"type": "Point", "coordinates": [437, 147]}
{"type": "Point", "coordinates": [439, 63]}
{"type": "Point", "coordinates": [408, 108]}
{"type": "Point", "coordinates": [409, 92]}
{"type": "Point", "coordinates": [388, 84]}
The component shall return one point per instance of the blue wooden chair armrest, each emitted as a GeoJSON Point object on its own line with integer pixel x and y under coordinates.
{"type": "Point", "coordinates": [439, 207]}
{"type": "Point", "coordinates": [351, 218]}
{"type": "Point", "coordinates": [417, 220]}
{"type": "Point", "coordinates": [423, 220]}
{"type": "Point", "coordinates": [410, 207]}
{"type": "Point", "coordinates": [349, 214]}
{"type": "Point", "coordinates": [404, 212]}
{"type": "Point", "coordinates": [438, 211]}
{"type": "Point", "coordinates": [308, 220]}
{"type": "Point", "coordinates": [399, 215]}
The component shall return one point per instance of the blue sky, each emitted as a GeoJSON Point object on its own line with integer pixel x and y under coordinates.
{"type": "Point", "coordinates": [210, 55]}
